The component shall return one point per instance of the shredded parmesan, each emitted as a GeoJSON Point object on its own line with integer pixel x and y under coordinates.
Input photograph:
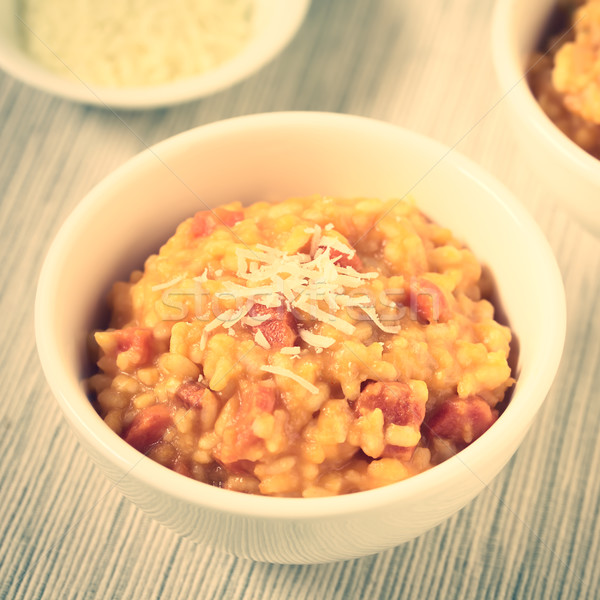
{"type": "Point", "coordinates": [344, 300]}
{"type": "Point", "coordinates": [316, 239]}
{"type": "Point", "coordinates": [203, 278]}
{"type": "Point", "coordinates": [253, 321]}
{"type": "Point", "coordinates": [227, 319]}
{"type": "Point", "coordinates": [240, 291]}
{"type": "Point", "coordinates": [283, 372]}
{"type": "Point", "coordinates": [316, 340]}
{"type": "Point", "coordinates": [292, 350]}
{"type": "Point", "coordinates": [314, 284]}
{"type": "Point", "coordinates": [242, 312]}
{"type": "Point", "coordinates": [167, 284]}
{"type": "Point", "coordinates": [325, 317]}
{"type": "Point", "coordinates": [372, 314]}
{"type": "Point", "coordinates": [331, 242]}
{"type": "Point", "coordinates": [261, 340]}
{"type": "Point", "coordinates": [134, 43]}
{"type": "Point", "coordinates": [352, 272]}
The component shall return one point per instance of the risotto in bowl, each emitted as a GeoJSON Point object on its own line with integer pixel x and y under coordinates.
{"type": "Point", "coordinates": [311, 347]}
{"type": "Point", "coordinates": [546, 57]}
{"type": "Point", "coordinates": [280, 339]}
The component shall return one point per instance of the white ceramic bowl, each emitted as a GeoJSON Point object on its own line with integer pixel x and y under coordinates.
{"type": "Point", "coordinates": [569, 173]}
{"type": "Point", "coordinates": [274, 156]}
{"type": "Point", "coordinates": [274, 25]}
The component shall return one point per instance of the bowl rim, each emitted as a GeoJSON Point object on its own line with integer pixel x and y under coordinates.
{"type": "Point", "coordinates": [512, 77]}
{"type": "Point", "coordinates": [130, 463]}
{"type": "Point", "coordinates": [253, 57]}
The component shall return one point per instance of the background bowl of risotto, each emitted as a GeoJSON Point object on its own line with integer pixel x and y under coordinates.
{"type": "Point", "coordinates": [113, 55]}
{"type": "Point", "coordinates": [272, 157]}
{"type": "Point", "coordinates": [526, 39]}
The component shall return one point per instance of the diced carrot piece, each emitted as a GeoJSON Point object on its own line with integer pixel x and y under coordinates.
{"type": "Point", "coordinates": [206, 221]}
{"type": "Point", "coordinates": [230, 217]}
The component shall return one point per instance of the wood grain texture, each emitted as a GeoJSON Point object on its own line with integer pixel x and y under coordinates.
{"type": "Point", "coordinates": [65, 533]}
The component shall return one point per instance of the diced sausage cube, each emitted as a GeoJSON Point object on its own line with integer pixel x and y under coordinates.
{"type": "Point", "coordinates": [135, 342]}
{"type": "Point", "coordinates": [278, 324]}
{"type": "Point", "coordinates": [461, 420]}
{"type": "Point", "coordinates": [148, 427]}
{"type": "Point", "coordinates": [239, 441]}
{"type": "Point", "coordinates": [427, 302]}
{"type": "Point", "coordinates": [190, 394]}
{"type": "Point", "coordinates": [399, 405]}
{"type": "Point", "coordinates": [395, 400]}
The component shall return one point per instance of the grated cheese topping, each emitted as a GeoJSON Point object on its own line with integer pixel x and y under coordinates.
{"type": "Point", "coordinates": [331, 242]}
{"type": "Point", "coordinates": [261, 340]}
{"type": "Point", "coordinates": [134, 43]}
{"type": "Point", "coordinates": [372, 314]}
{"type": "Point", "coordinates": [203, 277]}
{"type": "Point", "coordinates": [283, 372]}
{"type": "Point", "coordinates": [167, 284]}
{"type": "Point", "coordinates": [292, 350]}
{"type": "Point", "coordinates": [316, 237]}
{"type": "Point", "coordinates": [227, 319]}
{"type": "Point", "coordinates": [311, 283]}
{"type": "Point", "coordinates": [318, 341]}
{"type": "Point", "coordinates": [301, 281]}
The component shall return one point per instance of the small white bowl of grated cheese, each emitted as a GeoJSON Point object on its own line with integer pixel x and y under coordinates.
{"type": "Point", "coordinates": [142, 53]}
